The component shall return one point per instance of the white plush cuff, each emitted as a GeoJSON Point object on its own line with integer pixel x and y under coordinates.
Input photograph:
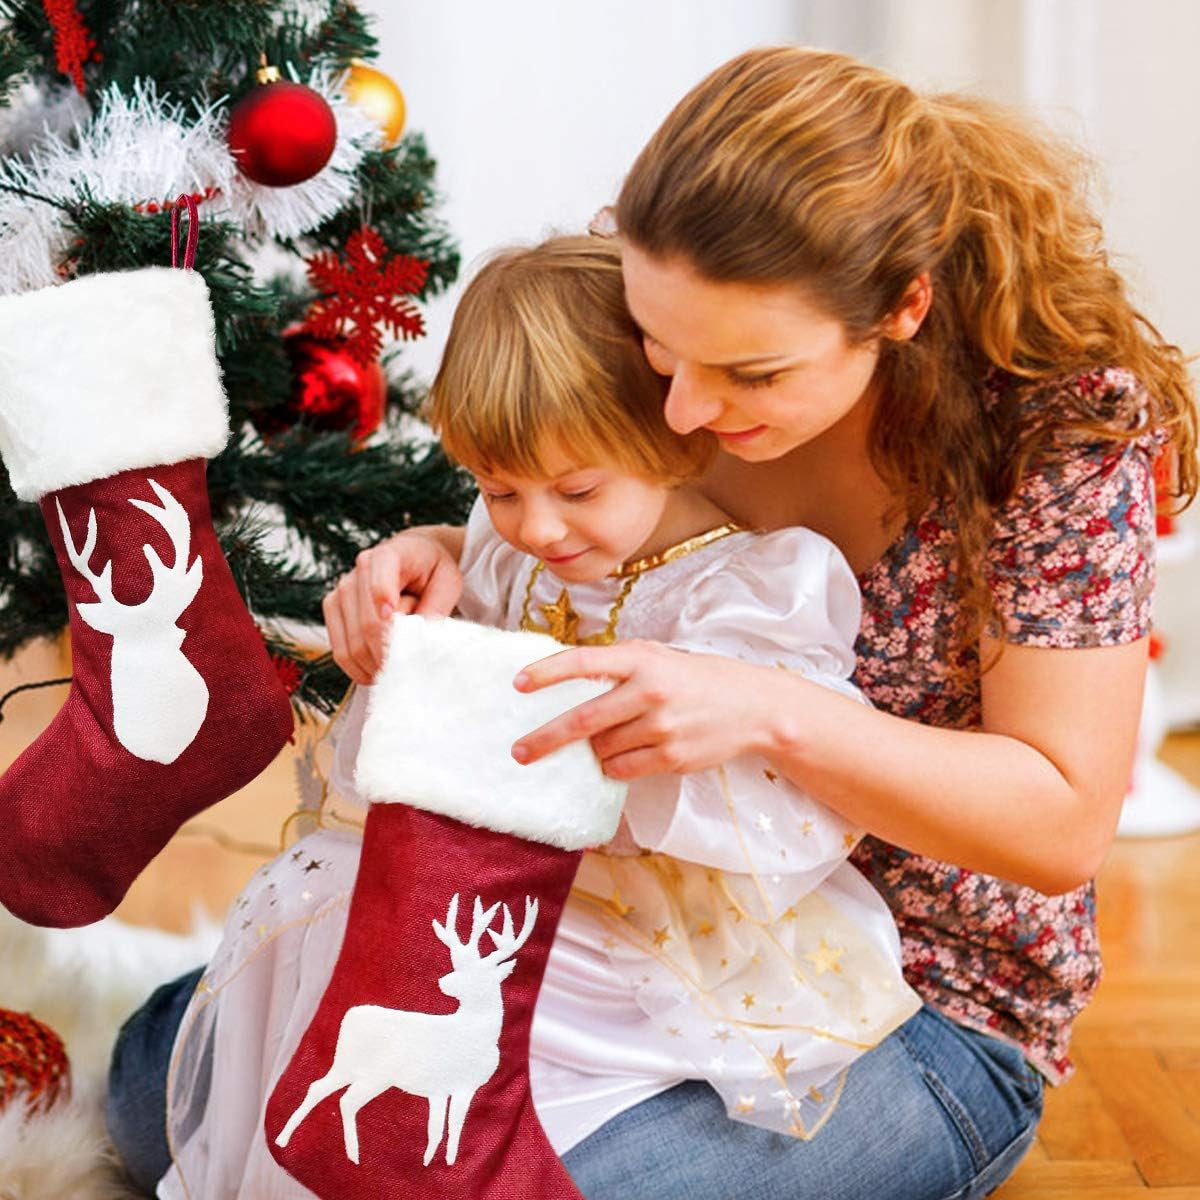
{"type": "Point", "coordinates": [442, 716]}
{"type": "Point", "coordinates": [108, 373]}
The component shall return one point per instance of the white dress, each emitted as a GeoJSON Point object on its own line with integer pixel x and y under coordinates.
{"type": "Point", "coordinates": [721, 935]}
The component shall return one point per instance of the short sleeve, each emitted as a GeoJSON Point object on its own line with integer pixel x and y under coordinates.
{"type": "Point", "coordinates": [787, 600]}
{"type": "Point", "coordinates": [1072, 560]}
{"type": "Point", "coordinates": [489, 566]}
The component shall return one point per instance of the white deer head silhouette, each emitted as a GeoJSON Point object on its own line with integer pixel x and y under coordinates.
{"type": "Point", "coordinates": [446, 1058]}
{"type": "Point", "coordinates": [159, 699]}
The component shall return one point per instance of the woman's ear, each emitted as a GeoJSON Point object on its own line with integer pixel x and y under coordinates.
{"type": "Point", "coordinates": [905, 319]}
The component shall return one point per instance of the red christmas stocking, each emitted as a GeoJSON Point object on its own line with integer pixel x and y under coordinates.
{"type": "Point", "coordinates": [412, 1080]}
{"type": "Point", "coordinates": [110, 402]}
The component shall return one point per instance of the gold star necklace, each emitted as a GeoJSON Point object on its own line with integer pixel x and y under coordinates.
{"type": "Point", "coordinates": [562, 621]}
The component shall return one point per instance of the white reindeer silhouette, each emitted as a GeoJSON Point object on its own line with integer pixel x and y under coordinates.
{"type": "Point", "coordinates": [159, 699]}
{"type": "Point", "coordinates": [446, 1058]}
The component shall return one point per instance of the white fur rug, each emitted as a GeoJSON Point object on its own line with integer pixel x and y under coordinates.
{"type": "Point", "coordinates": [83, 983]}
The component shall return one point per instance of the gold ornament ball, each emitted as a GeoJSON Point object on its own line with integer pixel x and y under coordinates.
{"type": "Point", "coordinates": [379, 97]}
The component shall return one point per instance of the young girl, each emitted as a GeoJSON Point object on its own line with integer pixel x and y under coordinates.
{"type": "Point", "coordinates": [721, 936]}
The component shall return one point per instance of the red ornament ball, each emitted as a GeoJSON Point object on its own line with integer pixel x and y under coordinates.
{"type": "Point", "coordinates": [330, 389]}
{"type": "Point", "coordinates": [33, 1061]}
{"type": "Point", "coordinates": [282, 133]}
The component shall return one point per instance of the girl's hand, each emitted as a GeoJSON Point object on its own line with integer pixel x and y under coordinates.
{"type": "Point", "coordinates": [410, 572]}
{"type": "Point", "coordinates": [670, 711]}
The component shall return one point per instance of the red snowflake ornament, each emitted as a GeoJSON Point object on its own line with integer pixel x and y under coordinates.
{"type": "Point", "coordinates": [364, 291]}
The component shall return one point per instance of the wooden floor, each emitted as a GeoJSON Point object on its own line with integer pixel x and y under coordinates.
{"type": "Point", "coordinates": [1126, 1127]}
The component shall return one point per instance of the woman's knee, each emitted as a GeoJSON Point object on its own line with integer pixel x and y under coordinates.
{"type": "Point", "coordinates": [136, 1101]}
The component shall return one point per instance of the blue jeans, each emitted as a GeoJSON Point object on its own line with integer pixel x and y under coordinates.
{"type": "Point", "coordinates": [136, 1104]}
{"type": "Point", "coordinates": [936, 1112]}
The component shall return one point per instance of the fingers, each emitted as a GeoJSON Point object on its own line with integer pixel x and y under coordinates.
{"type": "Point", "coordinates": [403, 575]}
{"type": "Point", "coordinates": [339, 608]}
{"type": "Point", "coordinates": [381, 577]}
{"type": "Point", "coordinates": [595, 662]}
{"type": "Point", "coordinates": [585, 720]}
{"type": "Point", "coordinates": [635, 764]}
{"type": "Point", "coordinates": [640, 734]}
{"type": "Point", "coordinates": [442, 589]}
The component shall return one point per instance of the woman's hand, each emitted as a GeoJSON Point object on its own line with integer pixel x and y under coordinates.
{"type": "Point", "coordinates": [670, 711]}
{"type": "Point", "coordinates": [411, 572]}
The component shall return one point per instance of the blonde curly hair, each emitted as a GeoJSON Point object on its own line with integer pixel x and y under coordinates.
{"type": "Point", "coordinates": [792, 165]}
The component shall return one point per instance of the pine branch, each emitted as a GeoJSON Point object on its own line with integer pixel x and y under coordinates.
{"type": "Point", "coordinates": [32, 601]}
{"type": "Point", "coordinates": [340, 501]}
{"type": "Point", "coordinates": [17, 62]}
{"type": "Point", "coordinates": [30, 30]}
{"type": "Point", "coordinates": [397, 198]}
{"type": "Point", "coordinates": [270, 585]}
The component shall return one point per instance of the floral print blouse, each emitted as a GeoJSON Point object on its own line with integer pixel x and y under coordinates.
{"type": "Point", "coordinates": [1071, 564]}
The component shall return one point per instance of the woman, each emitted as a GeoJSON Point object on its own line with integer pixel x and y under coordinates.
{"type": "Point", "coordinates": [896, 314]}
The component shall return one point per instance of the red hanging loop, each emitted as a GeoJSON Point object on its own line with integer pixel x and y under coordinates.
{"type": "Point", "coordinates": [193, 233]}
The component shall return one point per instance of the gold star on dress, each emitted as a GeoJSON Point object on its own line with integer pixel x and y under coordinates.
{"type": "Point", "coordinates": [748, 1001]}
{"type": "Point", "coordinates": [780, 1063]}
{"type": "Point", "coordinates": [562, 621]}
{"type": "Point", "coordinates": [662, 937]}
{"type": "Point", "coordinates": [745, 1104]}
{"type": "Point", "coordinates": [825, 957]}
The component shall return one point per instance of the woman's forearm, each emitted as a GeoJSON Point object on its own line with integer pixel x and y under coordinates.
{"type": "Point", "coordinates": [984, 801]}
{"type": "Point", "coordinates": [1034, 797]}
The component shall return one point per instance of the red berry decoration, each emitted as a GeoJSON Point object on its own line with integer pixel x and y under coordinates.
{"type": "Point", "coordinates": [331, 389]}
{"type": "Point", "coordinates": [281, 133]}
{"type": "Point", "coordinates": [73, 44]}
{"type": "Point", "coordinates": [32, 1061]}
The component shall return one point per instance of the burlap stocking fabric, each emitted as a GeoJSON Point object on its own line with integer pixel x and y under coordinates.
{"type": "Point", "coordinates": [412, 1079]}
{"type": "Point", "coordinates": [110, 402]}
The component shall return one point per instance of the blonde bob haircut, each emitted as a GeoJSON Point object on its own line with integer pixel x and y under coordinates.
{"type": "Point", "coordinates": [543, 355]}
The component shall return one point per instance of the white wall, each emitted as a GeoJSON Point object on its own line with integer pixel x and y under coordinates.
{"type": "Point", "coordinates": [535, 109]}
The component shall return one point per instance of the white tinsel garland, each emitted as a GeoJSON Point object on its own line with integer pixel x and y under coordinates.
{"type": "Point", "coordinates": [33, 236]}
{"type": "Point", "coordinates": [141, 147]}
{"type": "Point", "coordinates": [33, 112]}
{"type": "Point", "coordinates": [308, 14]}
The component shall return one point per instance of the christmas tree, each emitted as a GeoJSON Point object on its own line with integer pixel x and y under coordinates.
{"type": "Point", "coordinates": [263, 126]}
